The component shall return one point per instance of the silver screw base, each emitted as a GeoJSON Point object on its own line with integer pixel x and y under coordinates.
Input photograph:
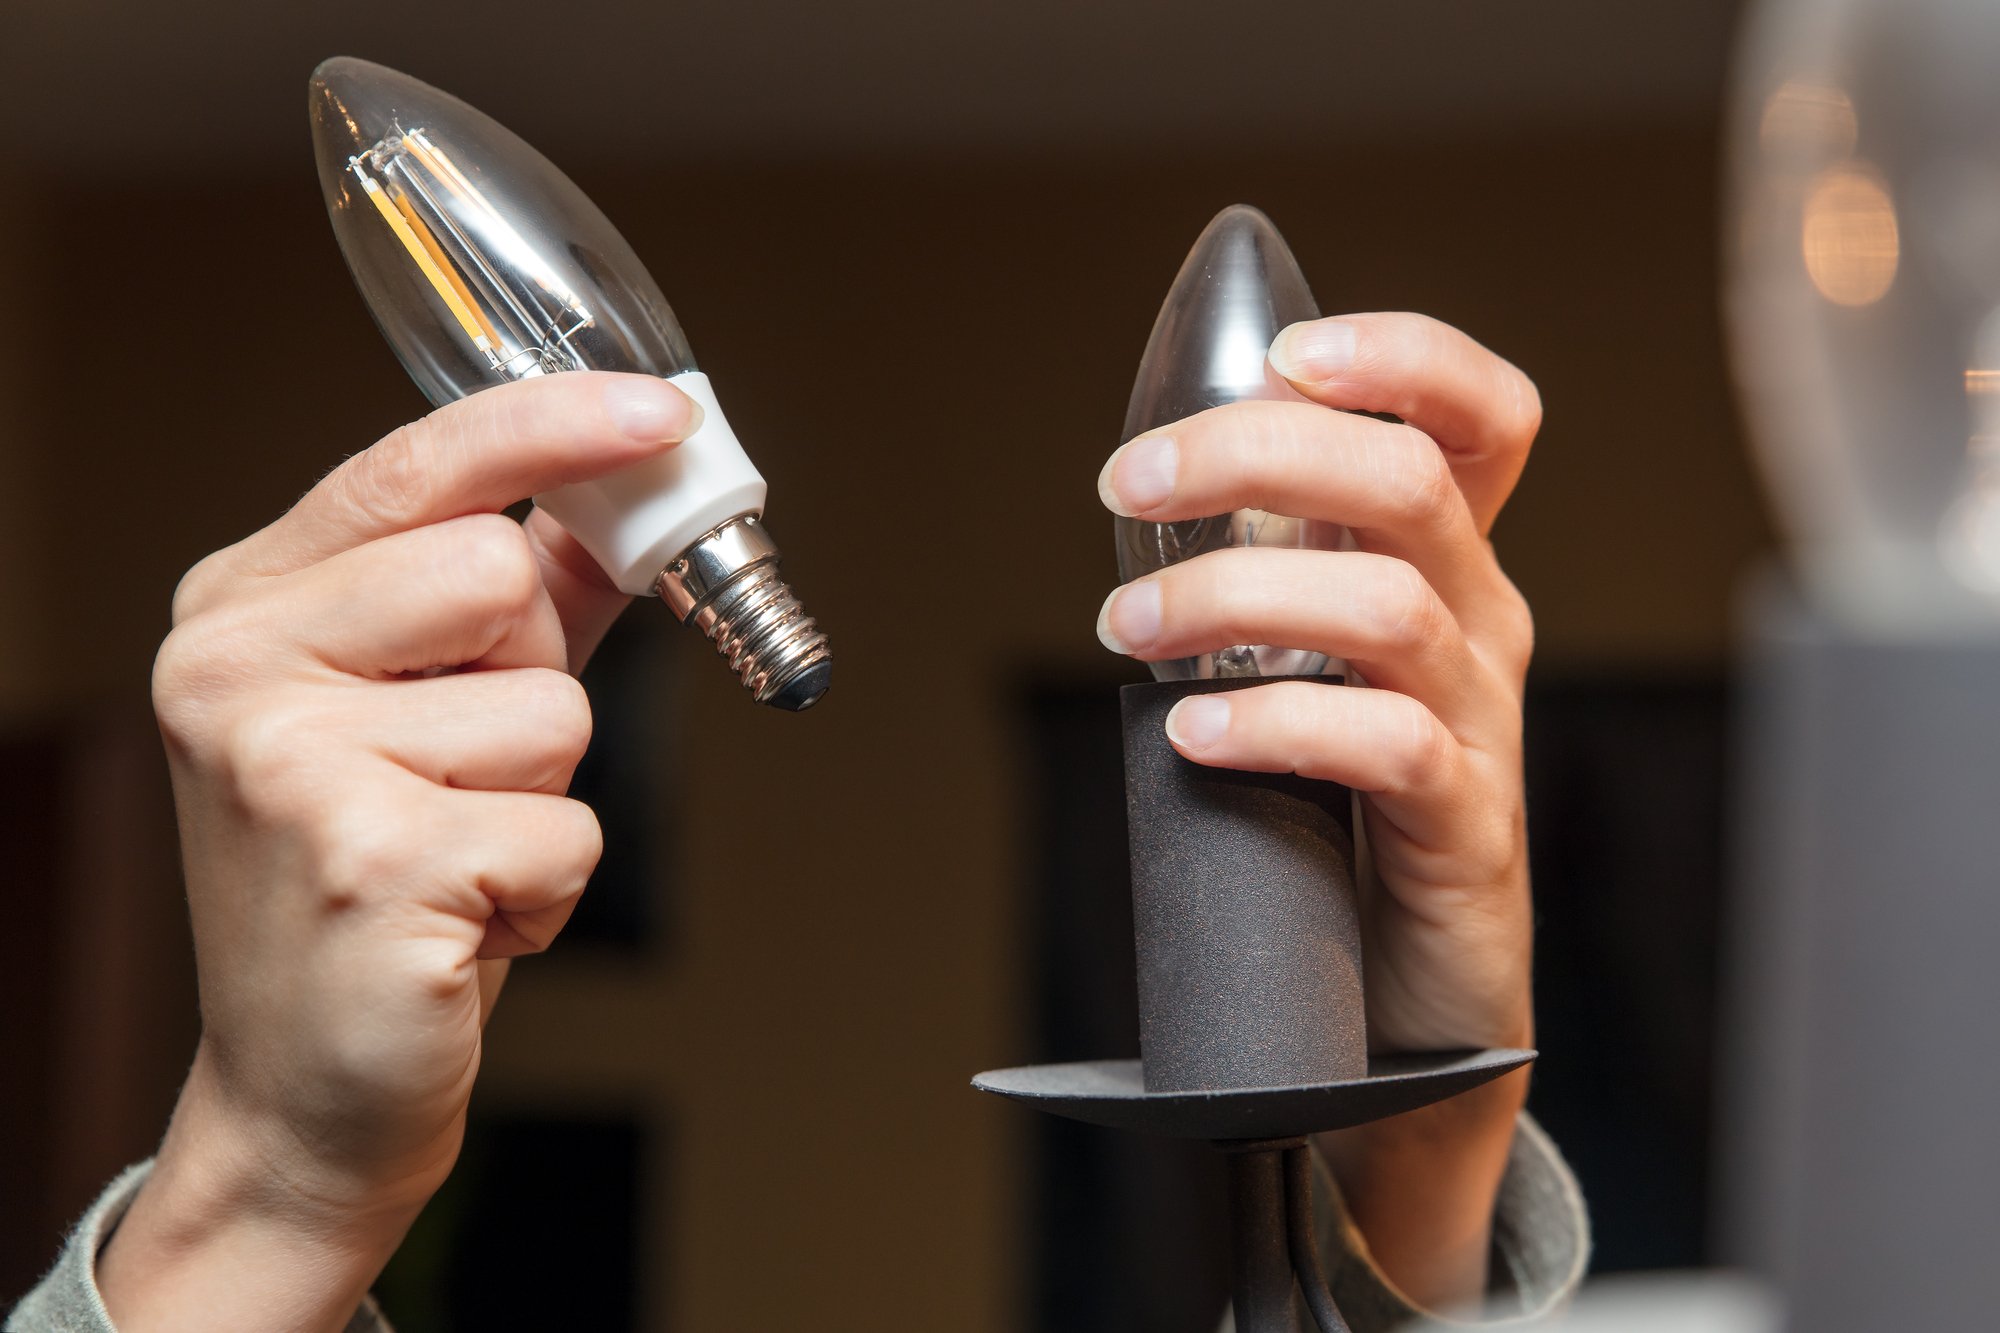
{"type": "Point", "coordinates": [726, 585]}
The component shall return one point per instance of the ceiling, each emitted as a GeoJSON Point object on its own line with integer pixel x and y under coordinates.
{"type": "Point", "coordinates": [93, 86]}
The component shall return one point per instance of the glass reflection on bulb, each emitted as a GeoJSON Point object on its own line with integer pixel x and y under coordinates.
{"type": "Point", "coordinates": [1237, 288]}
{"type": "Point", "coordinates": [483, 264]}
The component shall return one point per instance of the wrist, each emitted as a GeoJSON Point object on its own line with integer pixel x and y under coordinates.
{"type": "Point", "coordinates": [1421, 1189]}
{"type": "Point", "coordinates": [1458, 1142]}
{"type": "Point", "coordinates": [236, 1229]}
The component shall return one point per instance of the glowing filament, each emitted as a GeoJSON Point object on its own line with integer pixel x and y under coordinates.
{"type": "Point", "coordinates": [455, 237]}
{"type": "Point", "coordinates": [447, 287]}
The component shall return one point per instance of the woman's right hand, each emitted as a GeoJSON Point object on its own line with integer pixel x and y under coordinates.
{"type": "Point", "coordinates": [371, 720]}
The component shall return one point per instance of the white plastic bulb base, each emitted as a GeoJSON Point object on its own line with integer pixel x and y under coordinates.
{"type": "Point", "coordinates": [637, 522]}
{"type": "Point", "coordinates": [688, 526]}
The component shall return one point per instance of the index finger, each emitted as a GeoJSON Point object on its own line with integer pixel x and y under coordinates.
{"type": "Point", "coordinates": [1482, 411]}
{"type": "Point", "coordinates": [478, 455]}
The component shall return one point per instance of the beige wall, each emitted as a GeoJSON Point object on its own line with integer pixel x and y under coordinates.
{"type": "Point", "coordinates": [929, 358]}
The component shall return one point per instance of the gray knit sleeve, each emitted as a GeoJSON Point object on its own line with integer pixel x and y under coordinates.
{"type": "Point", "coordinates": [67, 1300]}
{"type": "Point", "coordinates": [1541, 1245]}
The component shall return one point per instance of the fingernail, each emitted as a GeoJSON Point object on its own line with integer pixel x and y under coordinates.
{"type": "Point", "coordinates": [648, 409]}
{"type": "Point", "coordinates": [1199, 722]}
{"type": "Point", "coordinates": [1316, 350]}
{"type": "Point", "coordinates": [1139, 475]}
{"type": "Point", "coordinates": [1130, 619]}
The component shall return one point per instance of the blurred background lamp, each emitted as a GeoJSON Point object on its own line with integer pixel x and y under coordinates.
{"type": "Point", "coordinates": [1860, 1159]}
{"type": "Point", "coordinates": [1863, 279]}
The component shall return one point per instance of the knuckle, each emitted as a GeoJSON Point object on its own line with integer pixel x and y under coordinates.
{"type": "Point", "coordinates": [560, 710]}
{"type": "Point", "coordinates": [589, 838]}
{"type": "Point", "coordinates": [1385, 341]}
{"type": "Point", "coordinates": [180, 673]}
{"type": "Point", "coordinates": [1421, 751]}
{"type": "Point", "coordinates": [1424, 484]}
{"type": "Point", "coordinates": [200, 662]}
{"type": "Point", "coordinates": [1185, 588]}
{"type": "Point", "coordinates": [199, 588]}
{"type": "Point", "coordinates": [359, 848]}
{"type": "Point", "coordinates": [1232, 594]}
{"type": "Point", "coordinates": [1405, 469]}
{"type": "Point", "coordinates": [1301, 748]}
{"type": "Point", "coordinates": [1402, 610]}
{"type": "Point", "coordinates": [1505, 629]}
{"type": "Point", "coordinates": [1527, 405]}
{"type": "Point", "coordinates": [1293, 721]}
{"type": "Point", "coordinates": [1211, 592]}
{"type": "Point", "coordinates": [493, 551]}
{"type": "Point", "coordinates": [1517, 623]}
{"type": "Point", "coordinates": [264, 746]}
{"type": "Point", "coordinates": [1395, 351]}
{"type": "Point", "coordinates": [264, 758]}
{"type": "Point", "coordinates": [582, 838]}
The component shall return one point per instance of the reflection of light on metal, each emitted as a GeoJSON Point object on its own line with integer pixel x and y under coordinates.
{"type": "Point", "coordinates": [1850, 240]}
{"type": "Point", "coordinates": [1978, 384]}
{"type": "Point", "coordinates": [1808, 117]}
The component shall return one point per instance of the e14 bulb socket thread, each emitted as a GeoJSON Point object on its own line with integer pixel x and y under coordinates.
{"type": "Point", "coordinates": [726, 585]}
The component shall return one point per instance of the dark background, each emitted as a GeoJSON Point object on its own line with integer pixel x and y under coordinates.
{"type": "Point", "coordinates": [918, 247]}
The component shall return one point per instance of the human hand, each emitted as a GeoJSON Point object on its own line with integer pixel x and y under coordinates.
{"type": "Point", "coordinates": [1422, 611]}
{"type": "Point", "coordinates": [370, 721]}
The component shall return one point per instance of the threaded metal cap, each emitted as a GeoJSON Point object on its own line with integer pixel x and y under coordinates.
{"type": "Point", "coordinates": [726, 585]}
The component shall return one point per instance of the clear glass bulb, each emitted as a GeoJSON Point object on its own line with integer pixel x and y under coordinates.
{"type": "Point", "coordinates": [1238, 287]}
{"type": "Point", "coordinates": [1864, 294]}
{"type": "Point", "coordinates": [483, 264]}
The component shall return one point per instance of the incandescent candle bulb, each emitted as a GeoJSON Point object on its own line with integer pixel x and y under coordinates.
{"type": "Point", "coordinates": [482, 264]}
{"type": "Point", "coordinates": [1238, 287]}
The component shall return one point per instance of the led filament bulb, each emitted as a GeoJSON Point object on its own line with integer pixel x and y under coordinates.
{"type": "Point", "coordinates": [483, 264]}
{"type": "Point", "coordinates": [1238, 287]}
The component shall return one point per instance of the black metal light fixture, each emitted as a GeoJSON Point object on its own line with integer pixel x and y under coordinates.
{"type": "Point", "coordinates": [1252, 1026]}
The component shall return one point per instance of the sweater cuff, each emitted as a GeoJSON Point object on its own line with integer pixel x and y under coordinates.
{"type": "Point", "coordinates": [67, 1300]}
{"type": "Point", "coordinates": [1541, 1245]}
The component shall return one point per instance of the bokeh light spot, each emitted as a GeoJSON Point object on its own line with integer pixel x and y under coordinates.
{"type": "Point", "coordinates": [1850, 238]}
